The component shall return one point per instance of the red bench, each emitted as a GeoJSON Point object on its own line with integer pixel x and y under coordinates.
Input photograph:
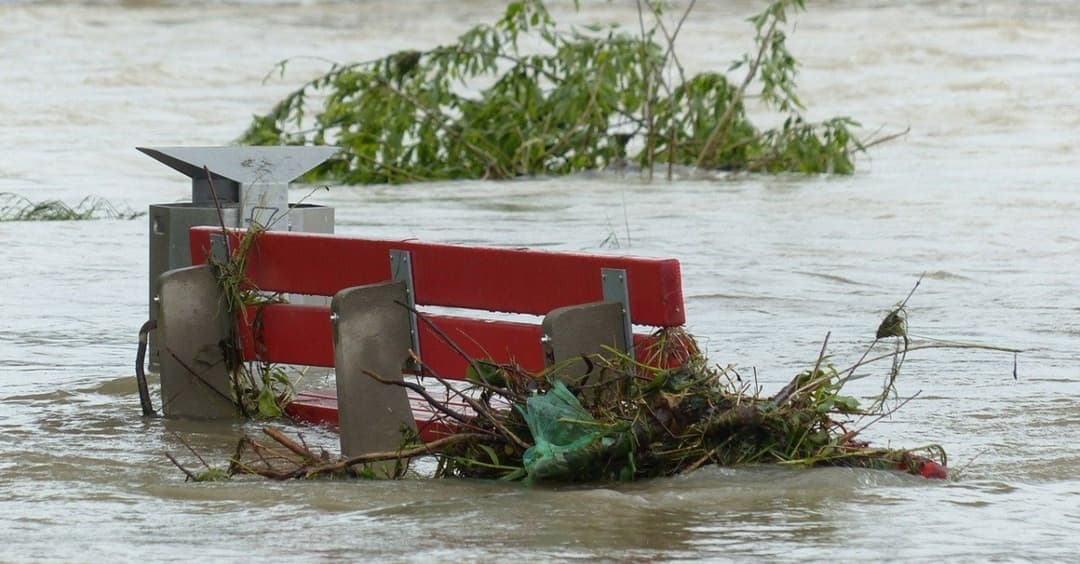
{"type": "Point", "coordinates": [533, 282]}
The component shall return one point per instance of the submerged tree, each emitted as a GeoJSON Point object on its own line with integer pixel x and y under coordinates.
{"type": "Point", "coordinates": [587, 98]}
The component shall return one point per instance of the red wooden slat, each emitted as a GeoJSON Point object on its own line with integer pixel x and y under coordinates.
{"type": "Point", "coordinates": [290, 334]}
{"type": "Point", "coordinates": [302, 334]}
{"type": "Point", "coordinates": [430, 430]}
{"type": "Point", "coordinates": [320, 408]}
{"type": "Point", "coordinates": [495, 279]}
{"type": "Point", "coordinates": [315, 408]}
{"type": "Point", "coordinates": [499, 341]}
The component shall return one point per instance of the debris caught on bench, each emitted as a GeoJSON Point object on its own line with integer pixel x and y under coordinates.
{"type": "Point", "coordinates": [646, 422]}
{"type": "Point", "coordinates": [660, 409]}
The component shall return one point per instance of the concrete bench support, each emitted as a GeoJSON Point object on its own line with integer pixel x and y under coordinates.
{"type": "Point", "coordinates": [371, 333]}
{"type": "Point", "coordinates": [572, 331]}
{"type": "Point", "coordinates": [193, 326]}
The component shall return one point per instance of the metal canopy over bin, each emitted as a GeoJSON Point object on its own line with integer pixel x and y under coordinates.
{"type": "Point", "coordinates": [248, 184]}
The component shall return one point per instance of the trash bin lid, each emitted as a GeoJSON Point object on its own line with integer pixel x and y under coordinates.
{"type": "Point", "coordinates": [246, 165]}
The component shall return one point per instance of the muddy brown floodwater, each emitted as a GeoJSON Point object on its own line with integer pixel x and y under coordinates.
{"type": "Point", "coordinates": [983, 196]}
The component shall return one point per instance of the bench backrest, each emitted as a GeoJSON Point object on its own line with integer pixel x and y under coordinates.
{"type": "Point", "coordinates": [479, 278]}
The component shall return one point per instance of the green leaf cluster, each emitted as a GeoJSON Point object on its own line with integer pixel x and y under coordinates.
{"type": "Point", "coordinates": [578, 99]}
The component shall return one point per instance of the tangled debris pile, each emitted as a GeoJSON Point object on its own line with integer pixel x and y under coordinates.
{"type": "Point", "coordinates": [629, 420]}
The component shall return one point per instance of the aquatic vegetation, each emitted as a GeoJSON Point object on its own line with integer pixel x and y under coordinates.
{"type": "Point", "coordinates": [586, 98]}
{"type": "Point", "coordinates": [14, 207]}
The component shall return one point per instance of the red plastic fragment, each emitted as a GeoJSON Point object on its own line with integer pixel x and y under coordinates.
{"type": "Point", "coordinates": [933, 471]}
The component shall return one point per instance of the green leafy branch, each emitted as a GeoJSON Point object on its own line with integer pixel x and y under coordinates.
{"type": "Point", "coordinates": [586, 98]}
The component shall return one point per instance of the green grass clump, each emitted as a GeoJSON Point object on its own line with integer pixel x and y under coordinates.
{"type": "Point", "coordinates": [14, 207]}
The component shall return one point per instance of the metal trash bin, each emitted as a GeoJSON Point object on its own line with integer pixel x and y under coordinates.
{"type": "Point", "coordinates": [249, 184]}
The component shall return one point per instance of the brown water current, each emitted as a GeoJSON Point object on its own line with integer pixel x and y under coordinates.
{"type": "Point", "coordinates": [983, 196]}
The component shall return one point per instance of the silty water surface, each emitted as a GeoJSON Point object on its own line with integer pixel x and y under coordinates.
{"type": "Point", "coordinates": [981, 195]}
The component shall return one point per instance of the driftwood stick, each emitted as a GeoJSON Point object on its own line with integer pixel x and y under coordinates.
{"type": "Point", "coordinates": [426, 448]}
{"type": "Point", "coordinates": [288, 443]}
{"type": "Point", "coordinates": [264, 451]}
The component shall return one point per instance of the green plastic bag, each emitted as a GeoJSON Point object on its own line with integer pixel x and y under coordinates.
{"type": "Point", "coordinates": [566, 437]}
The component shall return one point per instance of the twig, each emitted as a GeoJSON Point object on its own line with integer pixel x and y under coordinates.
{"type": "Point", "coordinates": [260, 449]}
{"type": "Point", "coordinates": [235, 464]}
{"type": "Point", "coordinates": [721, 126]}
{"type": "Point", "coordinates": [698, 463]}
{"type": "Point", "coordinates": [876, 338]}
{"type": "Point", "coordinates": [870, 143]}
{"type": "Point", "coordinates": [650, 79]}
{"type": "Point", "coordinates": [821, 355]}
{"type": "Point", "coordinates": [923, 347]}
{"type": "Point", "coordinates": [477, 407]}
{"type": "Point", "coordinates": [192, 450]}
{"type": "Point", "coordinates": [473, 363]}
{"type": "Point", "coordinates": [217, 202]}
{"type": "Point", "coordinates": [197, 376]}
{"type": "Point", "coordinates": [912, 292]}
{"type": "Point", "coordinates": [959, 471]}
{"type": "Point", "coordinates": [670, 37]}
{"type": "Point", "coordinates": [852, 434]}
{"type": "Point", "coordinates": [426, 448]}
{"type": "Point", "coordinates": [442, 335]}
{"type": "Point", "coordinates": [420, 390]}
{"type": "Point", "coordinates": [189, 475]}
{"type": "Point", "coordinates": [793, 388]}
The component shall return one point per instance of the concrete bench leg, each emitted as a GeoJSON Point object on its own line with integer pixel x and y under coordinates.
{"type": "Point", "coordinates": [371, 332]}
{"type": "Point", "coordinates": [573, 331]}
{"type": "Point", "coordinates": [192, 327]}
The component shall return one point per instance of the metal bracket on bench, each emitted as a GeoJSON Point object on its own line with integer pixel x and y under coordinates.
{"type": "Point", "coordinates": [614, 284]}
{"type": "Point", "coordinates": [401, 271]}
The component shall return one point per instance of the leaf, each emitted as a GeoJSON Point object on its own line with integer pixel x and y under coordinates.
{"type": "Point", "coordinates": [268, 406]}
{"type": "Point", "coordinates": [484, 373]}
{"type": "Point", "coordinates": [894, 324]}
{"type": "Point", "coordinates": [845, 404]}
{"type": "Point", "coordinates": [491, 454]}
{"type": "Point", "coordinates": [212, 475]}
